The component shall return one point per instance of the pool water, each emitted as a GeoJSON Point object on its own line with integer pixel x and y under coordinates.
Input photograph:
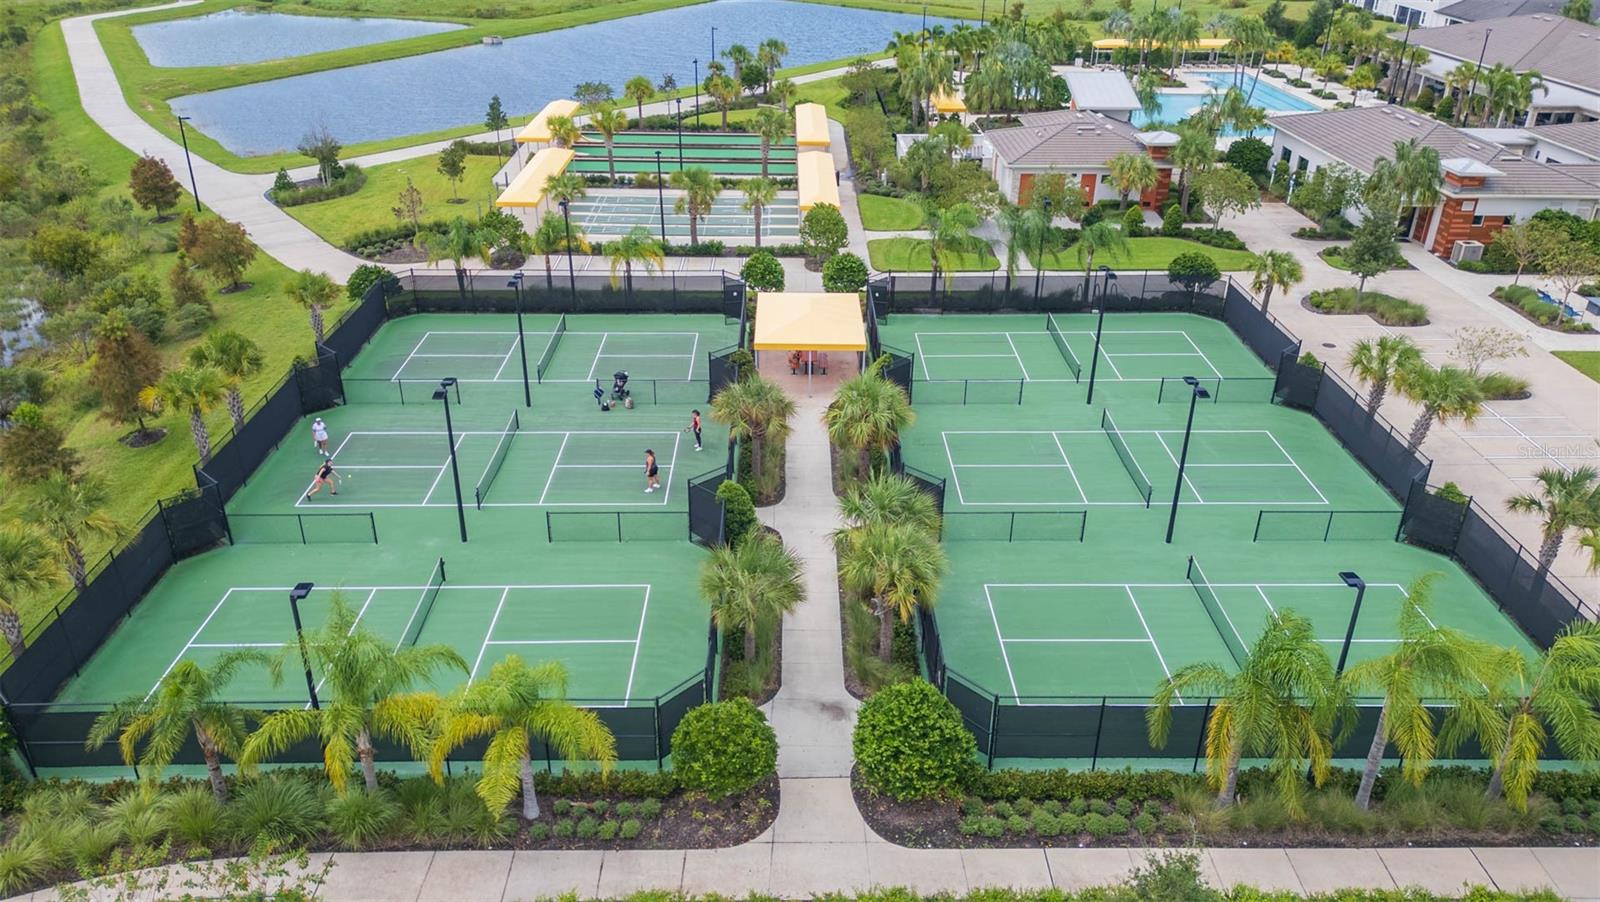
{"type": "Point", "coordinates": [1176, 106]}
{"type": "Point", "coordinates": [234, 36]}
{"type": "Point", "coordinates": [1268, 97]}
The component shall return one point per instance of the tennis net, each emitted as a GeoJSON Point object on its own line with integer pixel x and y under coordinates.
{"type": "Point", "coordinates": [1129, 462]}
{"type": "Point", "coordinates": [492, 469]}
{"type": "Point", "coordinates": [1051, 326]}
{"type": "Point", "coordinates": [419, 614]}
{"type": "Point", "coordinates": [550, 348]}
{"type": "Point", "coordinates": [1219, 617]}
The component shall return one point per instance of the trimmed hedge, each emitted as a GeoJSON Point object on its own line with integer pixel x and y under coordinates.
{"type": "Point", "coordinates": [910, 743]}
{"type": "Point", "coordinates": [353, 179]}
{"type": "Point", "coordinates": [1528, 301]}
{"type": "Point", "coordinates": [722, 748]}
{"type": "Point", "coordinates": [1386, 309]}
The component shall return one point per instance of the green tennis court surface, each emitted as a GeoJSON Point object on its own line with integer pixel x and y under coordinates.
{"type": "Point", "coordinates": [589, 163]}
{"type": "Point", "coordinates": [723, 139]}
{"type": "Point", "coordinates": [617, 214]}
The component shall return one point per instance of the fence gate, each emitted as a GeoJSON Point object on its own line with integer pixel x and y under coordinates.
{"type": "Point", "coordinates": [899, 369]}
{"type": "Point", "coordinates": [732, 300]}
{"type": "Point", "coordinates": [321, 386]}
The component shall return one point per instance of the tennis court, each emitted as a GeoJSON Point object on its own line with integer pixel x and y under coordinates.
{"type": "Point", "coordinates": [616, 213]}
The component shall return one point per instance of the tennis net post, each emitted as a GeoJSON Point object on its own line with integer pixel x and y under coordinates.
{"type": "Point", "coordinates": [1219, 618]}
{"type": "Point", "coordinates": [1125, 454]}
{"type": "Point", "coordinates": [419, 614]}
{"type": "Point", "coordinates": [1073, 363]}
{"type": "Point", "coordinates": [492, 469]}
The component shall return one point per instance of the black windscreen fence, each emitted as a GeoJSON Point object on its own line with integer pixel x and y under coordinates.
{"type": "Point", "coordinates": [1530, 595]}
{"type": "Point", "coordinates": [722, 370]}
{"type": "Point", "coordinates": [900, 368]}
{"type": "Point", "coordinates": [1128, 292]}
{"type": "Point", "coordinates": [1298, 384]}
{"type": "Point", "coordinates": [1368, 436]}
{"type": "Point", "coordinates": [1431, 520]}
{"type": "Point", "coordinates": [1256, 328]}
{"type": "Point", "coordinates": [238, 454]}
{"type": "Point", "coordinates": [357, 326]}
{"type": "Point", "coordinates": [471, 291]}
{"type": "Point", "coordinates": [320, 386]}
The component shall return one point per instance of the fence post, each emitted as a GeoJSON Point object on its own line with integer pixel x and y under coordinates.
{"type": "Point", "coordinates": [655, 728]}
{"type": "Point", "coordinates": [994, 713]}
{"type": "Point", "coordinates": [1200, 742]}
{"type": "Point", "coordinates": [1099, 728]}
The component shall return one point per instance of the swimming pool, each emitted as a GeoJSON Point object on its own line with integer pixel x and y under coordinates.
{"type": "Point", "coordinates": [1175, 106]}
{"type": "Point", "coordinates": [1268, 97]}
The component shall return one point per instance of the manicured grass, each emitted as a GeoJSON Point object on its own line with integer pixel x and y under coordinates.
{"type": "Point", "coordinates": [1153, 253]}
{"type": "Point", "coordinates": [373, 206]}
{"type": "Point", "coordinates": [1334, 257]}
{"type": "Point", "coordinates": [911, 255]}
{"type": "Point", "coordinates": [888, 214]}
{"type": "Point", "coordinates": [1386, 309]}
{"type": "Point", "coordinates": [1585, 362]}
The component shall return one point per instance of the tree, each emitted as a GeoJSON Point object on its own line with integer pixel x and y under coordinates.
{"type": "Point", "coordinates": [754, 583]}
{"type": "Point", "coordinates": [1251, 156]}
{"type": "Point", "coordinates": [1131, 172]}
{"type": "Point", "coordinates": [185, 701]}
{"type": "Point", "coordinates": [763, 272]}
{"type": "Point", "coordinates": [568, 186]}
{"type": "Point", "coordinates": [152, 186]}
{"type": "Point", "coordinates": [551, 238]}
{"type": "Point", "coordinates": [365, 693]}
{"type": "Point", "coordinates": [759, 193]}
{"type": "Point", "coordinates": [564, 132]}
{"type": "Point", "coordinates": [1578, 10]}
{"type": "Point", "coordinates": [1193, 270]}
{"type": "Point", "coordinates": [33, 447]}
{"type": "Point", "coordinates": [889, 498]}
{"type": "Point", "coordinates": [1363, 78]}
{"type": "Point", "coordinates": [844, 273]}
{"type": "Point", "coordinates": [770, 57]}
{"type": "Point", "coordinates": [823, 232]}
{"type": "Point", "coordinates": [1477, 345]}
{"type": "Point", "coordinates": [1280, 704]}
{"type": "Point", "coordinates": [1274, 269]}
{"type": "Point", "coordinates": [783, 93]}
{"type": "Point", "coordinates": [28, 566]}
{"type": "Point", "coordinates": [409, 207]}
{"type": "Point", "coordinates": [639, 89]}
{"type": "Point", "coordinates": [897, 566]}
{"type": "Point", "coordinates": [69, 511]}
{"type": "Point", "coordinates": [1097, 238]}
{"type": "Point", "coordinates": [772, 126]}
{"type": "Point", "coordinates": [925, 158]}
{"type": "Point", "coordinates": [756, 410]}
{"type": "Point", "coordinates": [1371, 251]}
{"type": "Point", "coordinates": [1570, 264]}
{"type": "Point", "coordinates": [495, 119]}
{"type": "Point", "coordinates": [1429, 663]}
{"type": "Point", "coordinates": [949, 233]}
{"type": "Point", "coordinates": [1027, 230]}
{"type": "Point", "coordinates": [638, 246]}
{"type": "Point", "coordinates": [459, 242]}
{"type": "Point", "coordinates": [124, 363]}
{"type": "Point", "coordinates": [592, 93]}
{"type": "Point", "coordinates": [1413, 175]}
{"type": "Point", "coordinates": [609, 121]}
{"type": "Point", "coordinates": [700, 190]}
{"type": "Point", "coordinates": [515, 706]}
{"type": "Point", "coordinates": [237, 358]}
{"type": "Point", "coordinates": [868, 414]}
{"type": "Point", "coordinates": [315, 291]}
{"type": "Point", "coordinates": [1523, 243]}
{"type": "Point", "coordinates": [1225, 190]}
{"type": "Point", "coordinates": [1376, 361]}
{"type": "Point", "coordinates": [186, 289]}
{"type": "Point", "coordinates": [195, 388]}
{"type": "Point", "coordinates": [1559, 693]}
{"type": "Point", "coordinates": [1567, 500]}
{"type": "Point", "coordinates": [453, 166]}
{"type": "Point", "coordinates": [1194, 154]}
{"type": "Point", "coordinates": [1446, 394]}
{"type": "Point", "coordinates": [64, 252]}
{"type": "Point", "coordinates": [223, 250]}
{"type": "Point", "coordinates": [724, 92]}
{"type": "Point", "coordinates": [319, 144]}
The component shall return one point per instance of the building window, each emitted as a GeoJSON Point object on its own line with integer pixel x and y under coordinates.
{"type": "Point", "coordinates": [1477, 221]}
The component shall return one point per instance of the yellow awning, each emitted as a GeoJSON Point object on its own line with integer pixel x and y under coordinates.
{"type": "Point", "coordinates": [787, 321]}
{"type": "Point", "coordinates": [1201, 44]}
{"type": "Point", "coordinates": [944, 102]}
{"type": "Point", "coordinates": [537, 131]}
{"type": "Point", "coordinates": [811, 125]}
{"type": "Point", "coordinates": [527, 189]}
{"type": "Point", "coordinates": [814, 171]}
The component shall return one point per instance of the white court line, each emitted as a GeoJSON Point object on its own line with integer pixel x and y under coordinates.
{"type": "Point", "coordinates": [1070, 469]}
{"type": "Point", "coordinates": [489, 356]}
{"type": "Point", "coordinates": [1513, 427]}
{"type": "Point", "coordinates": [995, 618]}
{"type": "Point", "coordinates": [1322, 585]}
{"type": "Point", "coordinates": [1020, 364]}
{"type": "Point", "coordinates": [179, 657]}
{"type": "Point", "coordinates": [955, 475]}
{"type": "Point", "coordinates": [404, 363]}
{"type": "Point", "coordinates": [1079, 641]}
{"type": "Point", "coordinates": [922, 356]}
{"type": "Point", "coordinates": [563, 642]}
{"type": "Point", "coordinates": [1153, 643]}
{"type": "Point", "coordinates": [481, 648]}
{"type": "Point", "coordinates": [638, 640]}
{"type": "Point", "coordinates": [597, 352]}
{"type": "Point", "coordinates": [1216, 372]}
{"type": "Point", "coordinates": [1116, 372]}
{"type": "Point", "coordinates": [668, 493]}
{"type": "Point", "coordinates": [414, 609]}
{"type": "Point", "coordinates": [506, 360]}
{"type": "Point", "coordinates": [554, 467]}
{"type": "Point", "coordinates": [455, 449]}
{"type": "Point", "coordinates": [1174, 459]}
{"type": "Point", "coordinates": [1290, 457]}
{"type": "Point", "coordinates": [694, 351]}
{"type": "Point", "coordinates": [234, 645]}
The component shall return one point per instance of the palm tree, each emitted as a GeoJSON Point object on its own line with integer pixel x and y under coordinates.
{"type": "Point", "coordinates": [28, 566]}
{"type": "Point", "coordinates": [638, 89]}
{"type": "Point", "coordinates": [551, 238]}
{"type": "Point", "coordinates": [1558, 692]}
{"type": "Point", "coordinates": [516, 706]}
{"type": "Point", "coordinates": [772, 126]}
{"type": "Point", "coordinates": [1273, 269]}
{"type": "Point", "coordinates": [608, 121]}
{"type": "Point", "coordinates": [1131, 172]}
{"type": "Point", "coordinates": [638, 246]}
{"type": "Point", "coordinates": [1282, 702]}
{"type": "Point", "coordinates": [1195, 152]}
{"type": "Point", "coordinates": [897, 566]}
{"type": "Point", "coordinates": [867, 414]}
{"type": "Point", "coordinates": [755, 583]}
{"type": "Point", "coordinates": [770, 57]}
{"type": "Point", "coordinates": [364, 693]}
{"type": "Point", "coordinates": [1375, 363]}
{"type": "Point", "coordinates": [69, 511]}
{"type": "Point", "coordinates": [185, 701]}
{"type": "Point", "coordinates": [195, 388]}
{"type": "Point", "coordinates": [889, 498]}
{"type": "Point", "coordinates": [1026, 229]}
{"type": "Point", "coordinates": [1362, 78]}
{"type": "Point", "coordinates": [1413, 173]}
{"type": "Point", "coordinates": [568, 186]}
{"type": "Point", "coordinates": [1429, 663]}
{"type": "Point", "coordinates": [759, 193]}
{"type": "Point", "coordinates": [783, 93]}
{"type": "Point", "coordinates": [725, 91]}
{"type": "Point", "coordinates": [1447, 393]}
{"type": "Point", "coordinates": [459, 242]}
{"type": "Point", "coordinates": [564, 132]}
{"type": "Point", "coordinates": [237, 358]}
{"type": "Point", "coordinates": [315, 291]}
{"type": "Point", "coordinates": [1568, 499]}
{"type": "Point", "coordinates": [757, 410]}
{"type": "Point", "coordinates": [949, 233]}
{"type": "Point", "coordinates": [700, 190]}
{"type": "Point", "coordinates": [1590, 542]}
{"type": "Point", "coordinates": [1098, 237]}
{"type": "Point", "coordinates": [1459, 80]}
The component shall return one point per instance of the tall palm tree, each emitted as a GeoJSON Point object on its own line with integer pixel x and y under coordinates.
{"type": "Point", "coordinates": [459, 242]}
{"type": "Point", "coordinates": [28, 565]}
{"type": "Point", "coordinates": [1274, 269]}
{"type": "Point", "coordinates": [1147, 88]}
{"type": "Point", "coordinates": [949, 233]}
{"type": "Point", "coordinates": [756, 583]}
{"type": "Point", "coordinates": [185, 701]}
{"type": "Point", "coordinates": [1131, 172]}
{"type": "Point", "coordinates": [564, 132]}
{"type": "Point", "coordinates": [1195, 152]}
{"type": "Point", "coordinates": [1282, 703]}
{"type": "Point", "coordinates": [197, 389]}
{"type": "Point", "coordinates": [365, 692]}
{"type": "Point", "coordinates": [1568, 500]}
{"type": "Point", "coordinates": [568, 186]}
{"type": "Point", "coordinates": [756, 410]}
{"type": "Point", "coordinates": [700, 190]}
{"type": "Point", "coordinates": [1375, 363]}
{"type": "Point", "coordinates": [867, 414]}
{"type": "Point", "coordinates": [515, 706]}
{"type": "Point", "coordinates": [1413, 173]}
{"type": "Point", "coordinates": [1429, 663]}
{"type": "Point", "coordinates": [1556, 693]}
{"type": "Point", "coordinates": [1447, 393]}
{"type": "Point", "coordinates": [1100, 237]}
{"type": "Point", "coordinates": [315, 291]}
{"type": "Point", "coordinates": [897, 566]}
{"type": "Point", "coordinates": [783, 92]}
{"type": "Point", "coordinates": [550, 237]}
{"type": "Point", "coordinates": [770, 57]}
{"type": "Point", "coordinates": [237, 358]}
{"type": "Point", "coordinates": [772, 126]}
{"type": "Point", "coordinates": [638, 89]}
{"type": "Point", "coordinates": [1459, 80]}
{"type": "Point", "coordinates": [609, 121]}
{"type": "Point", "coordinates": [725, 90]}
{"type": "Point", "coordinates": [759, 193]}
{"type": "Point", "coordinates": [889, 498]}
{"type": "Point", "coordinates": [638, 246]}
{"type": "Point", "coordinates": [69, 511]}
{"type": "Point", "coordinates": [1025, 229]}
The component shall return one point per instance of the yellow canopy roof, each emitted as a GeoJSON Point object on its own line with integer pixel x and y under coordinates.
{"type": "Point", "coordinates": [944, 102]}
{"type": "Point", "coordinates": [809, 322]}
{"type": "Point", "coordinates": [1202, 44]}
{"type": "Point", "coordinates": [814, 169]}
{"type": "Point", "coordinates": [811, 125]}
{"type": "Point", "coordinates": [537, 131]}
{"type": "Point", "coordinates": [527, 189]}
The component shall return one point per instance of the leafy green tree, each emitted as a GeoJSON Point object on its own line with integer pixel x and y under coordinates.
{"type": "Point", "coordinates": [64, 252]}
{"type": "Point", "coordinates": [897, 566]}
{"type": "Point", "coordinates": [1274, 269]}
{"type": "Point", "coordinates": [1097, 238]}
{"type": "Point", "coordinates": [186, 289]}
{"type": "Point", "coordinates": [753, 583]}
{"type": "Point", "coordinates": [823, 232]}
{"type": "Point", "coordinates": [224, 251]}
{"type": "Point", "coordinates": [1447, 393]}
{"type": "Point", "coordinates": [592, 93]}
{"type": "Point", "coordinates": [459, 242]}
{"type": "Point", "coordinates": [1412, 175]}
{"type": "Point", "coordinates": [1578, 10]}
{"type": "Point", "coordinates": [1193, 270]}
{"type": "Point", "coordinates": [725, 747]}
{"type": "Point", "coordinates": [609, 122]}
{"type": "Point", "coordinates": [568, 186]}
{"type": "Point", "coordinates": [763, 272]}
{"type": "Point", "coordinates": [909, 743]}
{"type": "Point", "coordinates": [844, 273]}
{"type": "Point", "coordinates": [1568, 500]}
{"type": "Point", "coordinates": [868, 414]}
{"type": "Point", "coordinates": [756, 410]}
{"type": "Point", "coordinates": [152, 186]}
{"type": "Point", "coordinates": [889, 498]}
{"type": "Point", "coordinates": [638, 246]}
{"type": "Point", "coordinates": [319, 144]}
{"type": "Point", "coordinates": [1375, 362]}
{"type": "Point", "coordinates": [124, 363]}
{"type": "Point", "coordinates": [772, 126]}
{"type": "Point", "coordinates": [759, 193]}
{"type": "Point", "coordinates": [638, 89]}
{"type": "Point", "coordinates": [738, 512]}
{"type": "Point", "coordinates": [28, 566]}
{"type": "Point", "coordinates": [1131, 172]}
{"type": "Point", "coordinates": [1556, 693]}
{"type": "Point", "coordinates": [700, 190]}
{"type": "Point", "coordinates": [237, 358]}
{"type": "Point", "coordinates": [1027, 230]}
{"type": "Point", "coordinates": [409, 207]}
{"type": "Point", "coordinates": [949, 234]}
{"type": "Point", "coordinates": [550, 237]}
{"type": "Point", "coordinates": [315, 291]}
{"type": "Point", "coordinates": [1371, 251]}
{"type": "Point", "coordinates": [70, 511]}
{"type": "Point", "coordinates": [453, 166]}
{"type": "Point", "coordinates": [196, 389]}
{"type": "Point", "coordinates": [33, 447]}
{"type": "Point", "coordinates": [769, 56]}
{"type": "Point", "coordinates": [1225, 190]}
{"type": "Point", "coordinates": [564, 131]}
{"type": "Point", "coordinates": [724, 91]}
{"type": "Point", "coordinates": [496, 119]}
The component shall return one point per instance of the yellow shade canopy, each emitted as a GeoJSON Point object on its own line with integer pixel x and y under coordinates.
{"type": "Point", "coordinates": [1201, 44]}
{"type": "Point", "coordinates": [806, 321]}
{"type": "Point", "coordinates": [811, 125]}
{"type": "Point", "coordinates": [814, 171]}
{"type": "Point", "coordinates": [527, 189]}
{"type": "Point", "coordinates": [537, 131]}
{"type": "Point", "coordinates": [946, 103]}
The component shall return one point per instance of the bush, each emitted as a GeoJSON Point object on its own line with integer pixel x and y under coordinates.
{"type": "Point", "coordinates": [1309, 359]}
{"type": "Point", "coordinates": [1533, 307]}
{"type": "Point", "coordinates": [739, 511]}
{"type": "Point", "coordinates": [358, 817]}
{"type": "Point", "coordinates": [349, 182]}
{"type": "Point", "coordinates": [1452, 492]}
{"type": "Point", "coordinates": [1172, 221]}
{"type": "Point", "coordinates": [1477, 266]}
{"type": "Point", "coordinates": [278, 810]}
{"type": "Point", "coordinates": [1249, 155]}
{"type": "Point", "coordinates": [1133, 223]}
{"type": "Point", "coordinates": [607, 831]}
{"type": "Point", "coordinates": [1391, 311]}
{"type": "Point", "coordinates": [631, 828]}
{"type": "Point", "coordinates": [762, 272]}
{"type": "Point", "coordinates": [365, 276]}
{"type": "Point", "coordinates": [193, 320]}
{"type": "Point", "coordinates": [724, 748]}
{"type": "Point", "coordinates": [1498, 386]}
{"type": "Point", "coordinates": [844, 272]}
{"type": "Point", "coordinates": [910, 743]}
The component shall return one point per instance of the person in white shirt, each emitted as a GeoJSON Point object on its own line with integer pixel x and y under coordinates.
{"type": "Point", "coordinates": [319, 433]}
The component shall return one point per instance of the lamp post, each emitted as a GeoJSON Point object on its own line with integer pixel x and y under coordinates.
{"type": "Point", "coordinates": [522, 342]}
{"type": "Point", "coordinates": [442, 393]}
{"type": "Point", "coordinates": [713, 42]}
{"type": "Point", "coordinates": [1099, 326]}
{"type": "Point", "coordinates": [193, 188]}
{"type": "Point", "coordinates": [1400, 64]}
{"type": "Point", "coordinates": [572, 274]}
{"type": "Point", "coordinates": [1038, 266]}
{"type": "Point", "coordinates": [1183, 456]}
{"type": "Point", "coordinates": [680, 134]}
{"type": "Point", "coordinates": [1360, 585]}
{"type": "Point", "coordinates": [696, 102]}
{"type": "Point", "coordinates": [1467, 100]}
{"type": "Point", "coordinates": [297, 595]}
{"type": "Point", "coordinates": [661, 201]}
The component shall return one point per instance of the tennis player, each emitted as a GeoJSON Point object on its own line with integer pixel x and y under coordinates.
{"type": "Point", "coordinates": [694, 426]}
{"type": "Point", "coordinates": [319, 434]}
{"type": "Point", "coordinates": [652, 475]}
{"type": "Point", "coordinates": [325, 477]}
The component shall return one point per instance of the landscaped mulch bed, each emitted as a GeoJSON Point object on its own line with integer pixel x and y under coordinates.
{"type": "Point", "coordinates": [687, 821]}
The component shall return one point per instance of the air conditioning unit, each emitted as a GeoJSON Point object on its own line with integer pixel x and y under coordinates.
{"type": "Point", "coordinates": [1466, 250]}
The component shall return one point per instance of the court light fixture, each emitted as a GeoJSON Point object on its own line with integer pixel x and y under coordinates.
{"type": "Point", "coordinates": [193, 188]}
{"type": "Point", "coordinates": [572, 274]}
{"type": "Point", "coordinates": [1197, 391]}
{"type": "Point", "coordinates": [1038, 266]}
{"type": "Point", "coordinates": [1099, 326]}
{"type": "Point", "coordinates": [522, 341]}
{"type": "Point", "coordinates": [297, 595]}
{"type": "Point", "coordinates": [1355, 582]}
{"type": "Point", "coordinates": [442, 393]}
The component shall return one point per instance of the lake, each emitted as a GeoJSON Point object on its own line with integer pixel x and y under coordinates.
{"type": "Point", "coordinates": [234, 36]}
{"type": "Point", "coordinates": [450, 88]}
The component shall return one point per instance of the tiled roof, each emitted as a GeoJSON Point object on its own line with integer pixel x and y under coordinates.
{"type": "Point", "coordinates": [1097, 89]}
{"type": "Point", "coordinates": [1583, 137]}
{"type": "Point", "coordinates": [1064, 138]}
{"type": "Point", "coordinates": [1561, 49]}
{"type": "Point", "coordinates": [1474, 10]}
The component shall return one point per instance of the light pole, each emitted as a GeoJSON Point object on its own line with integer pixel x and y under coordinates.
{"type": "Point", "coordinates": [1099, 326]}
{"type": "Point", "coordinates": [713, 42]}
{"type": "Point", "coordinates": [1183, 456]}
{"type": "Point", "coordinates": [680, 134]}
{"type": "Point", "coordinates": [1360, 585]}
{"type": "Point", "coordinates": [661, 201]}
{"type": "Point", "coordinates": [442, 393]}
{"type": "Point", "coordinates": [1466, 101]}
{"type": "Point", "coordinates": [193, 188]}
{"type": "Point", "coordinates": [1400, 64]}
{"type": "Point", "coordinates": [1038, 266]}
{"type": "Point", "coordinates": [522, 341]}
{"type": "Point", "coordinates": [572, 274]}
{"type": "Point", "coordinates": [297, 595]}
{"type": "Point", "coordinates": [696, 103]}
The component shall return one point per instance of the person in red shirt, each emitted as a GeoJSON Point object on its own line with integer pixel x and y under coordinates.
{"type": "Point", "coordinates": [694, 426]}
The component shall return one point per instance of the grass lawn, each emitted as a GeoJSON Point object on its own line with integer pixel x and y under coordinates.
{"type": "Point", "coordinates": [1585, 362]}
{"type": "Point", "coordinates": [1334, 257]}
{"type": "Point", "coordinates": [888, 214]}
{"type": "Point", "coordinates": [373, 206]}
{"type": "Point", "coordinates": [1153, 253]}
{"type": "Point", "coordinates": [911, 255]}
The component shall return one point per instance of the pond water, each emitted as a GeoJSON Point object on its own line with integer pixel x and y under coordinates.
{"type": "Point", "coordinates": [452, 87]}
{"type": "Point", "coordinates": [234, 36]}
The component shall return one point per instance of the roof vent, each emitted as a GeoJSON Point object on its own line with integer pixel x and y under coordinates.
{"type": "Point", "coordinates": [1473, 146]}
{"type": "Point", "coordinates": [1038, 133]}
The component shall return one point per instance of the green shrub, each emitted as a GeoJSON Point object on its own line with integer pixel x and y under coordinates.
{"type": "Point", "coordinates": [1124, 806]}
{"type": "Point", "coordinates": [1046, 824]}
{"type": "Point", "coordinates": [763, 272]}
{"type": "Point", "coordinates": [1095, 826]}
{"type": "Point", "coordinates": [625, 809]}
{"type": "Point", "coordinates": [1023, 806]}
{"type": "Point", "coordinates": [194, 816]}
{"type": "Point", "coordinates": [359, 817]}
{"type": "Point", "coordinates": [969, 825]}
{"type": "Point", "coordinates": [1016, 823]}
{"type": "Point", "coordinates": [1078, 806]}
{"type": "Point", "coordinates": [349, 182]}
{"type": "Point", "coordinates": [1172, 221]}
{"type": "Point", "coordinates": [1004, 809]}
{"type": "Point", "coordinates": [991, 827]}
{"type": "Point", "coordinates": [564, 828]}
{"type": "Point", "coordinates": [588, 827]}
{"type": "Point", "coordinates": [1391, 311]}
{"type": "Point", "coordinates": [1452, 492]}
{"type": "Point", "coordinates": [275, 810]}
{"type": "Point", "coordinates": [561, 808]}
{"type": "Point", "coordinates": [1116, 824]}
{"type": "Point", "coordinates": [844, 272]}
{"type": "Point", "coordinates": [365, 276]}
{"type": "Point", "coordinates": [724, 748]}
{"type": "Point", "coordinates": [1070, 823]}
{"type": "Point", "coordinates": [538, 831]}
{"type": "Point", "coordinates": [1309, 359]}
{"type": "Point", "coordinates": [971, 806]}
{"type": "Point", "coordinates": [1145, 824]}
{"type": "Point", "coordinates": [1498, 386]}
{"type": "Point", "coordinates": [739, 511]}
{"type": "Point", "coordinates": [92, 845]}
{"type": "Point", "coordinates": [650, 809]}
{"type": "Point", "coordinates": [1100, 806]}
{"type": "Point", "coordinates": [1052, 806]}
{"type": "Point", "coordinates": [138, 817]}
{"type": "Point", "coordinates": [1175, 823]}
{"type": "Point", "coordinates": [607, 831]}
{"type": "Point", "coordinates": [909, 743]}
{"type": "Point", "coordinates": [22, 864]}
{"type": "Point", "coordinates": [630, 828]}
{"type": "Point", "coordinates": [1133, 222]}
